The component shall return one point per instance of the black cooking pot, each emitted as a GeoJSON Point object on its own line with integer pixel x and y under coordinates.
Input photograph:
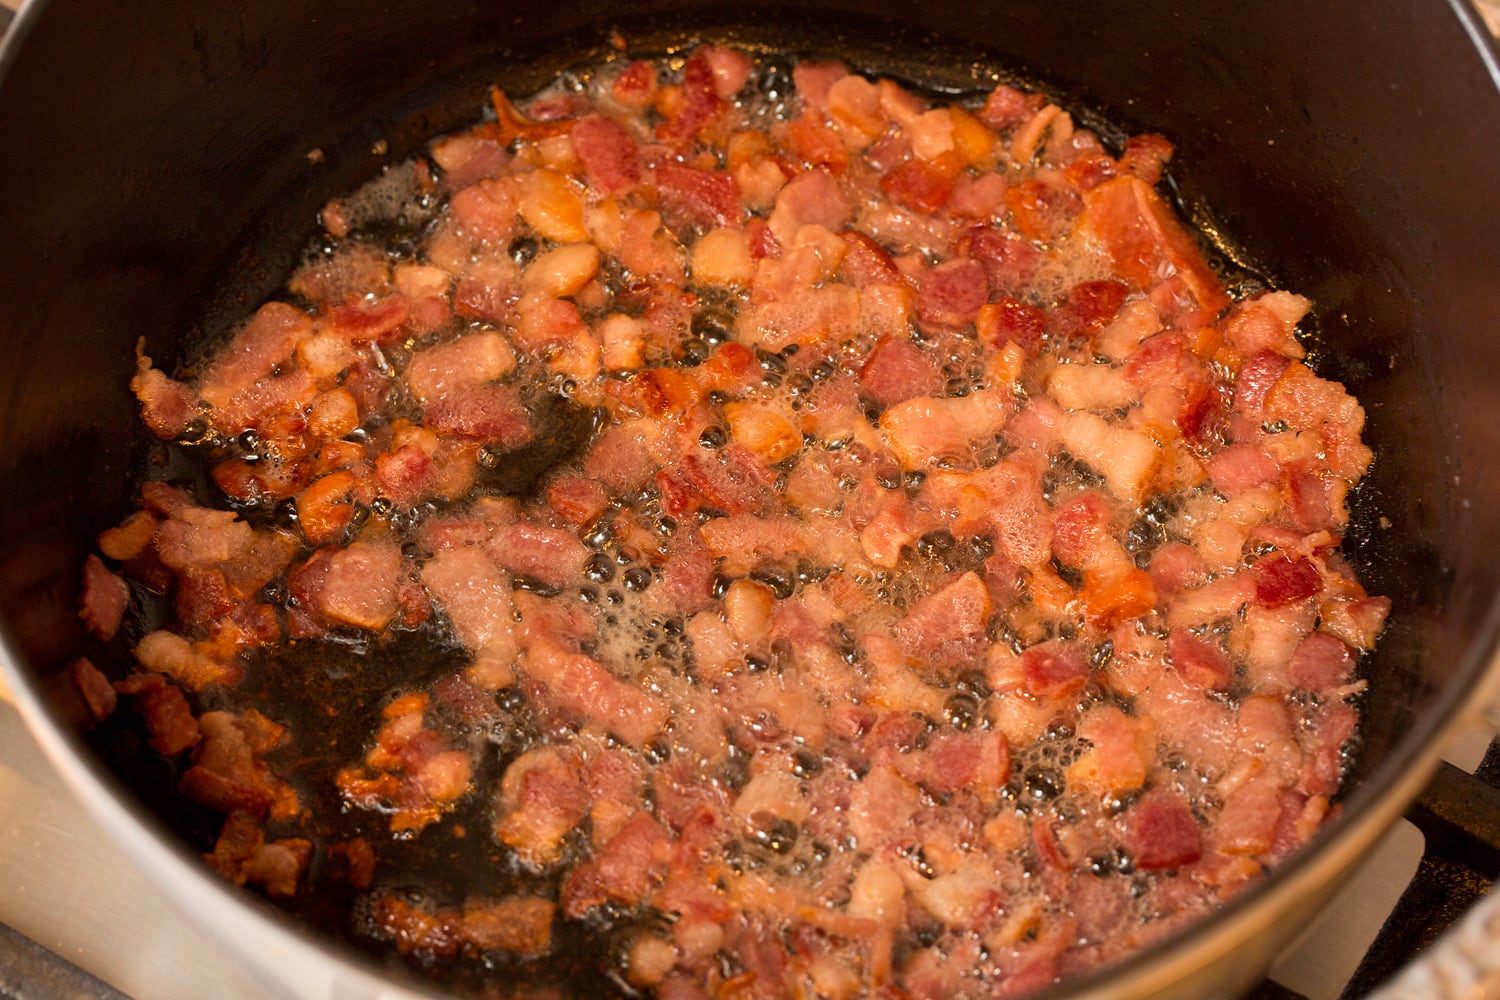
{"type": "Point", "coordinates": [162, 161]}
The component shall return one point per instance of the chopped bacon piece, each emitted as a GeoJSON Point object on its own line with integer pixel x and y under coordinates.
{"type": "Point", "coordinates": [686, 582]}
{"type": "Point", "coordinates": [635, 86]}
{"type": "Point", "coordinates": [734, 483]}
{"type": "Point", "coordinates": [624, 871]}
{"type": "Point", "coordinates": [815, 80]}
{"type": "Point", "coordinates": [1256, 376]}
{"type": "Point", "coordinates": [1088, 308]}
{"type": "Point", "coordinates": [581, 685]}
{"type": "Point", "coordinates": [867, 262]}
{"type": "Point", "coordinates": [197, 536]}
{"type": "Point", "coordinates": [659, 392]}
{"type": "Point", "coordinates": [1121, 753]}
{"type": "Point", "coordinates": [263, 343]}
{"type": "Point", "coordinates": [1006, 106]}
{"type": "Point", "coordinates": [512, 124]}
{"type": "Point", "coordinates": [1126, 458]}
{"type": "Point", "coordinates": [227, 774]}
{"type": "Point", "coordinates": [703, 197]}
{"type": "Point", "coordinates": [698, 102]}
{"type": "Point", "coordinates": [812, 198]}
{"type": "Point", "coordinates": [406, 475]}
{"type": "Point", "coordinates": [1090, 170]}
{"type": "Point", "coordinates": [1241, 467]}
{"type": "Point", "coordinates": [575, 498]}
{"type": "Point", "coordinates": [979, 198]}
{"type": "Point", "coordinates": [469, 360]}
{"type": "Point", "coordinates": [743, 541]}
{"type": "Point", "coordinates": [168, 718]}
{"type": "Point", "coordinates": [1010, 261]}
{"type": "Point", "coordinates": [1267, 322]}
{"type": "Point", "coordinates": [485, 212]}
{"type": "Point", "coordinates": [551, 555]}
{"type": "Point", "coordinates": [467, 159]}
{"type": "Point", "coordinates": [130, 538]}
{"type": "Point", "coordinates": [521, 925]}
{"type": "Point", "coordinates": [954, 761]}
{"type": "Point", "coordinates": [1358, 622]}
{"type": "Point", "coordinates": [951, 293]}
{"type": "Point", "coordinates": [1321, 662]}
{"type": "Point", "coordinates": [410, 774]}
{"type": "Point", "coordinates": [360, 588]}
{"type": "Point", "coordinates": [1304, 401]}
{"type": "Point", "coordinates": [948, 625]}
{"type": "Point", "coordinates": [102, 600]}
{"type": "Point", "coordinates": [1145, 241]}
{"type": "Point", "coordinates": [242, 855]}
{"type": "Point", "coordinates": [1280, 581]}
{"type": "Point", "coordinates": [1010, 321]}
{"type": "Point", "coordinates": [475, 595]}
{"type": "Point", "coordinates": [490, 412]}
{"type": "Point", "coordinates": [1116, 593]}
{"type": "Point", "coordinates": [325, 508]}
{"type": "Point", "coordinates": [167, 406]}
{"type": "Point", "coordinates": [1313, 500]}
{"type": "Point", "coordinates": [1201, 663]}
{"type": "Point", "coordinates": [897, 370]}
{"type": "Point", "coordinates": [1042, 210]}
{"type": "Point", "coordinates": [1055, 669]}
{"type": "Point", "coordinates": [202, 597]}
{"type": "Point", "coordinates": [98, 694]}
{"type": "Point", "coordinates": [278, 867]}
{"type": "Point", "coordinates": [818, 144]}
{"type": "Point", "coordinates": [415, 927]}
{"type": "Point", "coordinates": [169, 653]}
{"type": "Point", "coordinates": [730, 68]}
{"type": "Point", "coordinates": [609, 154]}
{"type": "Point", "coordinates": [542, 798]}
{"type": "Point", "coordinates": [925, 430]}
{"type": "Point", "coordinates": [1145, 156]}
{"type": "Point", "coordinates": [1083, 534]}
{"type": "Point", "coordinates": [1160, 832]}
{"type": "Point", "coordinates": [368, 320]}
{"type": "Point", "coordinates": [1247, 825]}
{"type": "Point", "coordinates": [918, 185]}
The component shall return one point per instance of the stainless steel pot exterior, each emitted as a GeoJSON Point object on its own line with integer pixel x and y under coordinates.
{"type": "Point", "coordinates": [1351, 148]}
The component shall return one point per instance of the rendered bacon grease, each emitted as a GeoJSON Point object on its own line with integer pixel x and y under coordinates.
{"type": "Point", "coordinates": [859, 548]}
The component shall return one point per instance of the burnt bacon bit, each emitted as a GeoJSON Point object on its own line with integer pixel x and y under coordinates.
{"type": "Point", "coordinates": [418, 926]}
{"type": "Point", "coordinates": [824, 510]}
{"type": "Point", "coordinates": [97, 692]}
{"type": "Point", "coordinates": [102, 599]}
{"type": "Point", "coordinates": [411, 773]}
{"type": "Point", "coordinates": [242, 854]}
{"type": "Point", "coordinates": [229, 773]}
{"type": "Point", "coordinates": [168, 717]}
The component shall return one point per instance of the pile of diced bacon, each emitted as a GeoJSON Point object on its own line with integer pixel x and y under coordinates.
{"type": "Point", "coordinates": [944, 597]}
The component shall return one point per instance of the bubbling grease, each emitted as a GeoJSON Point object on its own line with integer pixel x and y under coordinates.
{"type": "Point", "coordinates": [811, 723]}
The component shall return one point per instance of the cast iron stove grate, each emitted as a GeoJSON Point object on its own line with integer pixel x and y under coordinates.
{"type": "Point", "coordinates": [1458, 816]}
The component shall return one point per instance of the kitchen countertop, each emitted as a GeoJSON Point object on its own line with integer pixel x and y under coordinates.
{"type": "Point", "coordinates": [53, 855]}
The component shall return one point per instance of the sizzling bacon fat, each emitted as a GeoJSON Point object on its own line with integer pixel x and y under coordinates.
{"type": "Point", "coordinates": [920, 577]}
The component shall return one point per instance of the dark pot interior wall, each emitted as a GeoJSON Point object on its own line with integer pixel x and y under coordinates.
{"type": "Point", "coordinates": [1350, 148]}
